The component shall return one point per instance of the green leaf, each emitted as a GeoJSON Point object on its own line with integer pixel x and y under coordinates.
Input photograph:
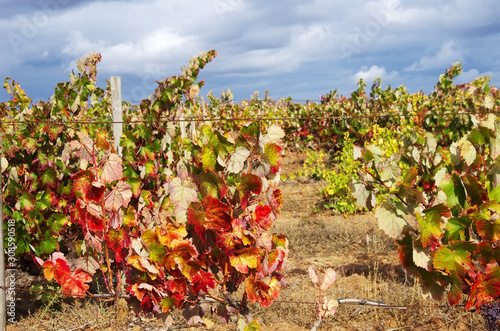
{"type": "Point", "coordinates": [150, 168]}
{"type": "Point", "coordinates": [410, 176]}
{"type": "Point", "coordinates": [47, 246]}
{"type": "Point", "coordinates": [457, 260]}
{"type": "Point", "coordinates": [391, 173]}
{"type": "Point", "coordinates": [476, 137]}
{"type": "Point", "coordinates": [273, 153]}
{"type": "Point", "coordinates": [455, 292]}
{"type": "Point", "coordinates": [364, 197]}
{"type": "Point", "coordinates": [475, 190]}
{"type": "Point", "coordinates": [432, 283]}
{"type": "Point", "coordinates": [57, 222]}
{"type": "Point", "coordinates": [157, 253]}
{"type": "Point", "coordinates": [30, 144]}
{"type": "Point", "coordinates": [46, 200]}
{"type": "Point", "coordinates": [208, 158]}
{"type": "Point", "coordinates": [135, 185]}
{"type": "Point", "coordinates": [432, 222]}
{"type": "Point", "coordinates": [26, 202]}
{"type": "Point", "coordinates": [213, 185]}
{"type": "Point", "coordinates": [458, 228]}
{"type": "Point", "coordinates": [455, 191]}
{"type": "Point", "coordinates": [489, 252]}
{"type": "Point", "coordinates": [251, 132]}
{"type": "Point", "coordinates": [167, 304]}
{"type": "Point", "coordinates": [48, 178]}
{"type": "Point", "coordinates": [390, 220]}
{"type": "Point", "coordinates": [252, 326]}
{"type": "Point", "coordinates": [410, 194]}
{"type": "Point", "coordinates": [489, 229]}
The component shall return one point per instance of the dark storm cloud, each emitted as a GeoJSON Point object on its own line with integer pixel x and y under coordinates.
{"type": "Point", "coordinates": [292, 48]}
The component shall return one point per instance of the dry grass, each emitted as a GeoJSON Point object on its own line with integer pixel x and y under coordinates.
{"type": "Point", "coordinates": [367, 267]}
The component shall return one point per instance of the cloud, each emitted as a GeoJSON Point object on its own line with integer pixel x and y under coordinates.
{"type": "Point", "coordinates": [369, 75]}
{"type": "Point", "coordinates": [295, 46]}
{"type": "Point", "coordinates": [447, 54]}
{"type": "Point", "coordinates": [157, 47]}
{"type": "Point", "coordinates": [471, 75]}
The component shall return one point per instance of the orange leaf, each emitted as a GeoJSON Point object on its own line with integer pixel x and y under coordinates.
{"type": "Point", "coordinates": [56, 267]}
{"type": "Point", "coordinates": [75, 283]}
{"type": "Point", "coordinates": [245, 258]}
{"type": "Point", "coordinates": [259, 291]}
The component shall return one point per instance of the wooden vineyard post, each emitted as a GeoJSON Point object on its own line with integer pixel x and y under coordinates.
{"type": "Point", "coordinates": [116, 105]}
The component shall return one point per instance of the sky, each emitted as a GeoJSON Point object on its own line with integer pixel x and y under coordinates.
{"type": "Point", "coordinates": [298, 49]}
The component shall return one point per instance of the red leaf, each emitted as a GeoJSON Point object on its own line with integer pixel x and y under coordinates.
{"type": "Point", "coordinates": [216, 215]}
{"type": "Point", "coordinates": [53, 130]}
{"type": "Point", "coordinates": [275, 259]}
{"type": "Point", "coordinates": [202, 281]}
{"type": "Point", "coordinates": [96, 192]}
{"type": "Point", "coordinates": [486, 288]}
{"type": "Point", "coordinates": [262, 216]}
{"type": "Point", "coordinates": [87, 215]}
{"type": "Point", "coordinates": [147, 304]}
{"type": "Point", "coordinates": [405, 250]}
{"type": "Point", "coordinates": [489, 229]}
{"type": "Point", "coordinates": [247, 185]}
{"type": "Point", "coordinates": [75, 284]}
{"type": "Point", "coordinates": [177, 285]}
{"type": "Point", "coordinates": [117, 240]}
{"type": "Point", "coordinates": [275, 199]}
{"type": "Point", "coordinates": [82, 184]}
{"type": "Point", "coordinates": [236, 238]}
{"type": "Point", "coordinates": [210, 214]}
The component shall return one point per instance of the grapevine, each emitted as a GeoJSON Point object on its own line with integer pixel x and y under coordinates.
{"type": "Point", "coordinates": [180, 220]}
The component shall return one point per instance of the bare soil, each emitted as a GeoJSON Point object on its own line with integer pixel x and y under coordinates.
{"type": "Point", "coordinates": [367, 266]}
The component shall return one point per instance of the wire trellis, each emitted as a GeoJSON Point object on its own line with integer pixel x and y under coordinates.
{"type": "Point", "coordinates": [252, 118]}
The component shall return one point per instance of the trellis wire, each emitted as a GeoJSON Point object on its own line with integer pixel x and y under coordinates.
{"type": "Point", "coordinates": [250, 118]}
{"type": "Point", "coordinates": [361, 302]}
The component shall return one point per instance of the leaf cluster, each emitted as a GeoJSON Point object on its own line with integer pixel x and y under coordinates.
{"type": "Point", "coordinates": [180, 219]}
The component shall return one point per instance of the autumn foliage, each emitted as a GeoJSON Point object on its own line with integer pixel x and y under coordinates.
{"type": "Point", "coordinates": [180, 219]}
{"type": "Point", "coordinates": [441, 194]}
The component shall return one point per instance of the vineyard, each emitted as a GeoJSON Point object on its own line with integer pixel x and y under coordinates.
{"type": "Point", "coordinates": [264, 214]}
